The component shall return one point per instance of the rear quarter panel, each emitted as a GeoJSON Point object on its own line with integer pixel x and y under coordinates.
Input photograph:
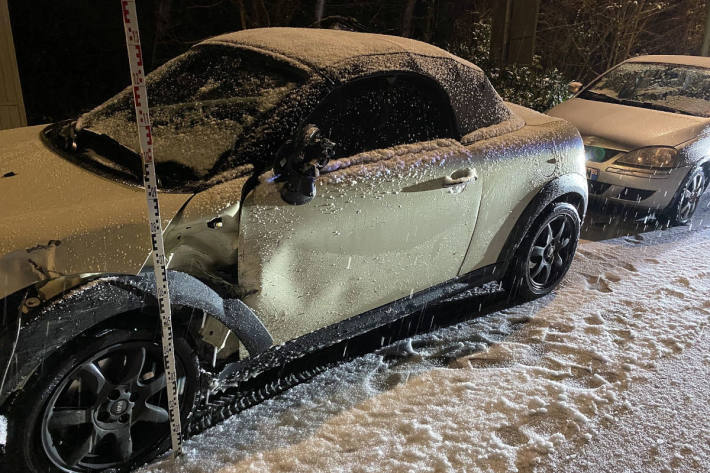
{"type": "Point", "coordinates": [513, 168]}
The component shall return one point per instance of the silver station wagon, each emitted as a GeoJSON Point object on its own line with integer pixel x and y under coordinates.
{"type": "Point", "coordinates": [646, 130]}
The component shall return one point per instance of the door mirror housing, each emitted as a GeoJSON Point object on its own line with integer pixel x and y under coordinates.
{"type": "Point", "coordinates": [299, 164]}
{"type": "Point", "coordinates": [574, 87]}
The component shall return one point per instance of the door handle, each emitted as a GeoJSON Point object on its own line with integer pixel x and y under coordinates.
{"type": "Point", "coordinates": [460, 176]}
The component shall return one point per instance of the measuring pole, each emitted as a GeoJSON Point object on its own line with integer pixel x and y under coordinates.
{"type": "Point", "coordinates": [140, 99]}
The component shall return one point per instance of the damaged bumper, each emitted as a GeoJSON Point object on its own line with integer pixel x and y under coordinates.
{"type": "Point", "coordinates": [20, 352]}
{"type": "Point", "coordinates": [38, 320]}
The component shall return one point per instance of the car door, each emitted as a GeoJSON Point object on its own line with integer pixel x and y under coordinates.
{"type": "Point", "coordinates": [393, 213]}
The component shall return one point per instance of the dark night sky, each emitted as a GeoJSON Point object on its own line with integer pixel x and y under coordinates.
{"type": "Point", "coordinates": [72, 56]}
{"type": "Point", "coordinates": [71, 53]}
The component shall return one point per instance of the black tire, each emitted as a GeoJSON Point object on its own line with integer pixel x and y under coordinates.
{"type": "Point", "coordinates": [545, 253]}
{"type": "Point", "coordinates": [685, 202]}
{"type": "Point", "coordinates": [124, 417]}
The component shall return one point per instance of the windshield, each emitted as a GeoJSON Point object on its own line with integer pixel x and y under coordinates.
{"type": "Point", "coordinates": [200, 103]}
{"type": "Point", "coordinates": [671, 87]}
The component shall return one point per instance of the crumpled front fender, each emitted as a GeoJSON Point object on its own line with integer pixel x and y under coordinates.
{"type": "Point", "coordinates": [51, 313]}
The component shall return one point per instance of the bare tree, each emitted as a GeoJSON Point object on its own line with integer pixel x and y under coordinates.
{"type": "Point", "coordinates": [320, 6]}
{"type": "Point", "coordinates": [586, 37]}
{"type": "Point", "coordinates": [407, 18]}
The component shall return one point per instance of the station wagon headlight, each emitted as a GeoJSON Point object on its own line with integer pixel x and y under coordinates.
{"type": "Point", "coordinates": [651, 157]}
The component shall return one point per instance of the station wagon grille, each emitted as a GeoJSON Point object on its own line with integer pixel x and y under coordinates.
{"type": "Point", "coordinates": [636, 195]}
{"type": "Point", "coordinates": [596, 187]}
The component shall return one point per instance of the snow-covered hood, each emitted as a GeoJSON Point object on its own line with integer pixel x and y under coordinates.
{"type": "Point", "coordinates": [57, 218]}
{"type": "Point", "coordinates": [630, 127]}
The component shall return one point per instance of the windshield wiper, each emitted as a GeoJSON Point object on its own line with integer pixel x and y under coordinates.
{"type": "Point", "coordinates": [632, 103]}
{"type": "Point", "coordinates": [653, 106]}
{"type": "Point", "coordinates": [588, 94]}
{"type": "Point", "coordinates": [119, 157]}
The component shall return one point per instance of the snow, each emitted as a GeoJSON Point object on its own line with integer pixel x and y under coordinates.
{"type": "Point", "coordinates": [396, 160]}
{"type": "Point", "coordinates": [344, 56]}
{"type": "Point", "coordinates": [609, 373]}
{"type": "Point", "coordinates": [3, 430]}
{"type": "Point", "coordinates": [200, 104]}
{"type": "Point", "coordinates": [671, 436]}
{"type": "Point", "coordinates": [677, 86]}
{"type": "Point", "coordinates": [323, 47]}
{"type": "Point", "coordinates": [699, 61]}
{"type": "Point", "coordinates": [514, 123]}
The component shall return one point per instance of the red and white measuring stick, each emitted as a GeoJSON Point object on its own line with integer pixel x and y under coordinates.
{"type": "Point", "coordinates": [140, 98]}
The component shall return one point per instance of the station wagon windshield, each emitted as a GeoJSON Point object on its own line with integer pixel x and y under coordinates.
{"type": "Point", "coordinates": [200, 103]}
{"type": "Point", "coordinates": [669, 87]}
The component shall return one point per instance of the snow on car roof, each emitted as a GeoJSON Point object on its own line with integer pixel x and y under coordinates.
{"type": "Point", "coordinates": [321, 48]}
{"type": "Point", "coordinates": [697, 61]}
{"type": "Point", "coordinates": [342, 56]}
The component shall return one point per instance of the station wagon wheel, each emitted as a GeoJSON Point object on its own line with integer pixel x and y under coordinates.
{"type": "Point", "coordinates": [688, 197]}
{"type": "Point", "coordinates": [103, 408]}
{"type": "Point", "coordinates": [545, 254]}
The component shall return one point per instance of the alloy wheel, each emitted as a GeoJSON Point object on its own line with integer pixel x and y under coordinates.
{"type": "Point", "coordinates": [690, 196]}
{"type": "Point", "coordinates": [109, 410]}
{"type": "Point", "coordinates": [551, 252]}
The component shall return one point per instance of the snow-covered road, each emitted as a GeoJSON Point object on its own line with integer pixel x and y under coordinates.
{"type": "Point", "coordinates": [609, 373]}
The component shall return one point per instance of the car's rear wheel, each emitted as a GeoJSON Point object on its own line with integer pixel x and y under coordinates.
{"type": "Point", "coordinates": [681, 210]}
{"type": "Point", "coordinates": [101, 405]}
{"type": "Point", "coordinates": [545, 254]}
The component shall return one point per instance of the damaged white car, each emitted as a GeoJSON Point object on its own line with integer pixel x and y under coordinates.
{"type": "Point", "coordinates": [646, 130]}
{"type": "Point", "coordinates": [317, 186]}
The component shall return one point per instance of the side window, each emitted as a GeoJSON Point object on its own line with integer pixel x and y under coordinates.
{"type": "Point", "coordinates": [383, 111]}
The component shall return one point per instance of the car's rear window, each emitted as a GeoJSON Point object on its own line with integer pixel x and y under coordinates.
{"type": "Point", "coordinates": [200, 103]}
{"type": "Point", "coordinates": [681, 88]}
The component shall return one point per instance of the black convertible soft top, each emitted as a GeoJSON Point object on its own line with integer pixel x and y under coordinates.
{"type": "Point", "coordinates": [342, 56]}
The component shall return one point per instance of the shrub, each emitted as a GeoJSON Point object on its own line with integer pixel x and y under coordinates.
{"type": "Point", "coordinates": [532, 86]}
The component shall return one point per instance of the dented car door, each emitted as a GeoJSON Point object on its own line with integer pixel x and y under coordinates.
{"type": "Point", "coordinates": [383, 225]}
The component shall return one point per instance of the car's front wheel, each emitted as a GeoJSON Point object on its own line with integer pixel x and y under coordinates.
{"type": "Point", "coordinates": [545, 254]}
{"type": "Point", "coordinates": [681, 210]}
{"type": "Point", "coordinates": [101, 405]}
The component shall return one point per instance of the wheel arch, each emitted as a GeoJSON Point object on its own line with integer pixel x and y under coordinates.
{"type": "Point", "coordinates": [100, 301]}
{"type": "Point", "coordinates": [570, 188]}
{"type": "Point", "coordinates": [705, 165]}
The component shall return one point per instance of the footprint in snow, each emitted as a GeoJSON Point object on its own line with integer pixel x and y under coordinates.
{"type": "Point", "coordinates": [682, 281]}
{"type": "Point", "coordinates": [672, 345]}
{"type": "Point", "coordinates": [561, 326]}
{"type": "Point", "coordinates": [511, 435]}
{"type": "Point", "coordinates": [638, 238]}
{"type": "Point", "coordinates": [589, 254]}
{"type": "Point", "coordinates": [394, 380]}
{"type": "Point", "coordinates": [597, 283]}
{"type": "Point", "coordinates": [671, 292]}
{"type": "Point", "coordinates": [622, 337]}
{"type": "Point", "coordinates": [629, 302]}
{"type": "Point", "coordinates": [555, 419]}
{"type": "Point", "coordinates": [629, 267]}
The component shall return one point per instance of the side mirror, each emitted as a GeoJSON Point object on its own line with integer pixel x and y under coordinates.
{"type": "Point", "coordinates": [300, 164]}
{"type": "Point", "coordinates": [574, 87]}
